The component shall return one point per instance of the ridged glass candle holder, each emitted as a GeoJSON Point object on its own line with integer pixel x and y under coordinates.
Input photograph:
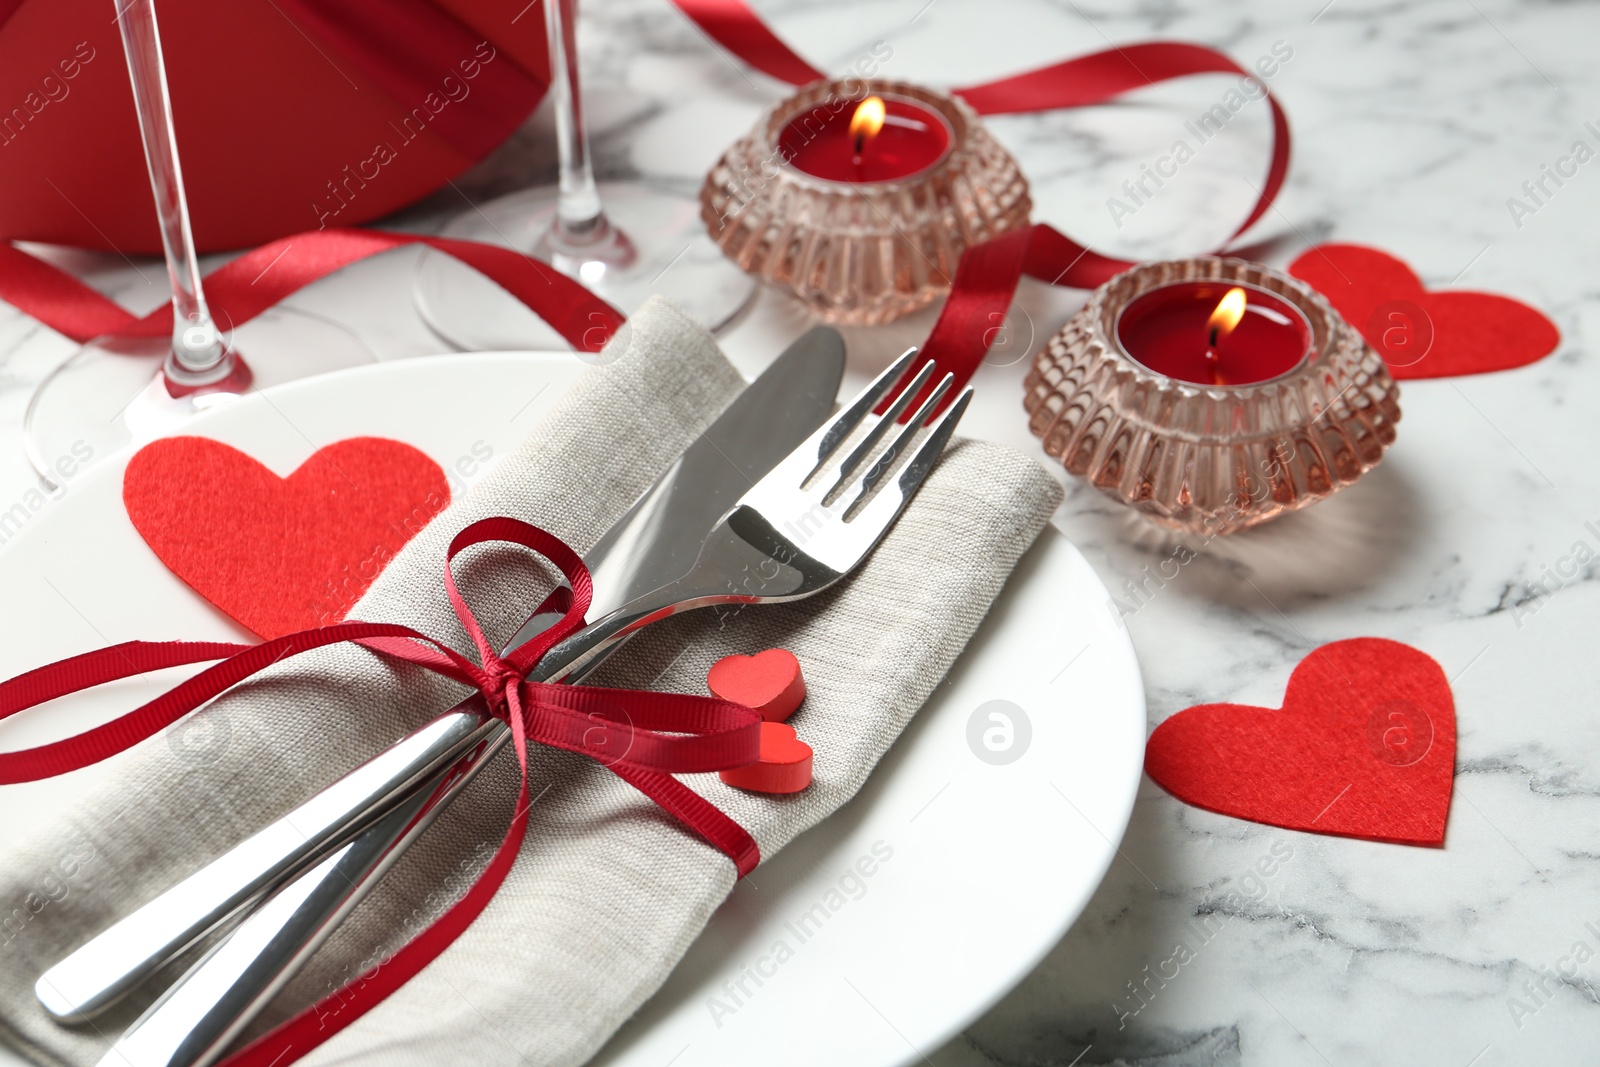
{"type": "Point", "coordinates": [1202, 458]}
{"type": "Point", "coordinates": [862, 253]}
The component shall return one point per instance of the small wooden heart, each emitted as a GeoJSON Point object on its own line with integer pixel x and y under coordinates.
{"type": "Point", "coordinates": [770, 682]}
{"type": "Point", "coordinates": [784, 766]}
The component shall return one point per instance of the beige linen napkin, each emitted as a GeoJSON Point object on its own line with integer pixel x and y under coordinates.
{"type": "Point", "coordinates": [608, 892]}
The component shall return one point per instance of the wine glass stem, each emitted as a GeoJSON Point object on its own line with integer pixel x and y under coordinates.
{"type": "Point", "coordinates": [197, 348]}
{"type": "Point", "coordinates": [578, 210]}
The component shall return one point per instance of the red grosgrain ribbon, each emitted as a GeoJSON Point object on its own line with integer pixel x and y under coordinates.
{"type": "Point", "coordinates": [664, 733]}
{"type": "Point", "coordinates": [987, 276]}
{"type": "Point", "coordinates": [245, 287]}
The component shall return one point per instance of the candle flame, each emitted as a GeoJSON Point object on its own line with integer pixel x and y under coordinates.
{"type": "Point", "coordinates": [1230, 309]}
{"type": "Point", "coordinates": [867, 120]}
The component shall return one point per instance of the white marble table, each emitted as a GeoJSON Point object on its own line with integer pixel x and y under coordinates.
{"type": "Point", "coordinates": [1415, 120]}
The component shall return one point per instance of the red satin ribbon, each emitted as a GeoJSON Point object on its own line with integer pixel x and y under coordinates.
{"type": "Point", "coordinates": [644, 738]}
{"type": "Point", "coordinates": [981, 291]}
{"type": "Point", "coordinates": [987, 276]}
{"type": "Point", "coordinates": [243, 288]}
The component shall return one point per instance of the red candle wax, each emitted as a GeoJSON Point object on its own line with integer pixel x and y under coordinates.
{"type": "Point", "coordinates": [1170, 330]}
{"type": "Point", "coordinates": [913, 138]}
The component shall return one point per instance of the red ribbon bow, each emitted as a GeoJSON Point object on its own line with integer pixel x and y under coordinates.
{"type": "Point", "coordinates": [644, 738]}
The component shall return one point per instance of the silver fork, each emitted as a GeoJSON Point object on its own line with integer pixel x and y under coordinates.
{"type": "Point", "coordinates": [795, 533]}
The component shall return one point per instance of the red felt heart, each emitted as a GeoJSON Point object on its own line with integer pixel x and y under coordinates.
{"type": "Point", "coordinates": [784, 766]}
{"type": "Point", "coordinates": [770, 682]}
{"type": "Point", "coordinates": [1364, 746]}
{"type": "Point", "coordinates": [1422, 334]}
{"type": "Point", "coordinates": [280, 554]}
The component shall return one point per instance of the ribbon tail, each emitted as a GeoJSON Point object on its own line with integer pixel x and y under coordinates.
{"type": "Point", "coordinates": [1097, 79]}
{"type": "Point", "coordinates": [708, 821]}
{"type": "Point", "coordinates": [246, 286]}
{"type": "Point", "coordinates": [738, 29]}
{"type": "Point", "coordinates": [77, 673]}
{"type": "Point", "coordinates": [260, 279]}
{"type": "Point", "coordinates": [583, 319]}
{"type": "Point", "coordinates": [57, 299]}
{"type": "Point", "coordinates": [141, 657]}
{"type": "Point", "coordinates": [297, 1036]}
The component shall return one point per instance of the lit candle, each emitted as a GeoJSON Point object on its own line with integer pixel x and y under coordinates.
{"type": "Point", "coordinates": [858, 196]}
{"type": "Point", "coordinates": [1211, 333]}
{"type": "Point", "coordinates": [879, 139]}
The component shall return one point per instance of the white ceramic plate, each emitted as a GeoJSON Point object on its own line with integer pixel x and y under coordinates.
{"type": "Point", "coordinates": [871, 939]}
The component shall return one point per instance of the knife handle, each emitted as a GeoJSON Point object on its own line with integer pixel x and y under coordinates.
{"type": "Point", "coordinates": [193, 1023]}
{"type": "Point", "coordinates": [102, 970]}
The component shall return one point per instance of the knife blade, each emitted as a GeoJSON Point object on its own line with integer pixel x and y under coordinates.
{"type": "Point", "coordinates": [656, 541]}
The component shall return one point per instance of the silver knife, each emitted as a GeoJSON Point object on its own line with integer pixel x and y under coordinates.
{"type": "Point", "coordinates": [656, 541]}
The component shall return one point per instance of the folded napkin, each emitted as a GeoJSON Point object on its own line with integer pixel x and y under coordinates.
{"type": "Point", "coordinates": [609, 891]}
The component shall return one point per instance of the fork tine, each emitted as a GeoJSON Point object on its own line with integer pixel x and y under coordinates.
{"type": "Point", "coordinates": [889, 461]}
{"type": "Point", "coordinates": [916, 471]}
{"type": "Point", "coordinates": [864, 402]}
{"type": "Point", "coordinates": [884, 425]}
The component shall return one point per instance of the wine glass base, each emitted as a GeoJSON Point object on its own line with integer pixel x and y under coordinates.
{"type": "Point", "coordinates": [672, 257]}
{"type": "Point", "coordinates": [110, 394]}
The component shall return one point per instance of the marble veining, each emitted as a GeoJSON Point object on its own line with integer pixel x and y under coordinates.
{"type": "Point", "coordinates": [1416, 122]}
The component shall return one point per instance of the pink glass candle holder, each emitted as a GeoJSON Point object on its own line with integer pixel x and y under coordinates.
{"type": "Point", "coordinates": [1211, 394]}
{"type": "Point", "coordinates": [863, 227]}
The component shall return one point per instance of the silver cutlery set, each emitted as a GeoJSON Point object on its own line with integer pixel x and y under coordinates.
{"type": "Point", "coordinates": [773, 487]}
